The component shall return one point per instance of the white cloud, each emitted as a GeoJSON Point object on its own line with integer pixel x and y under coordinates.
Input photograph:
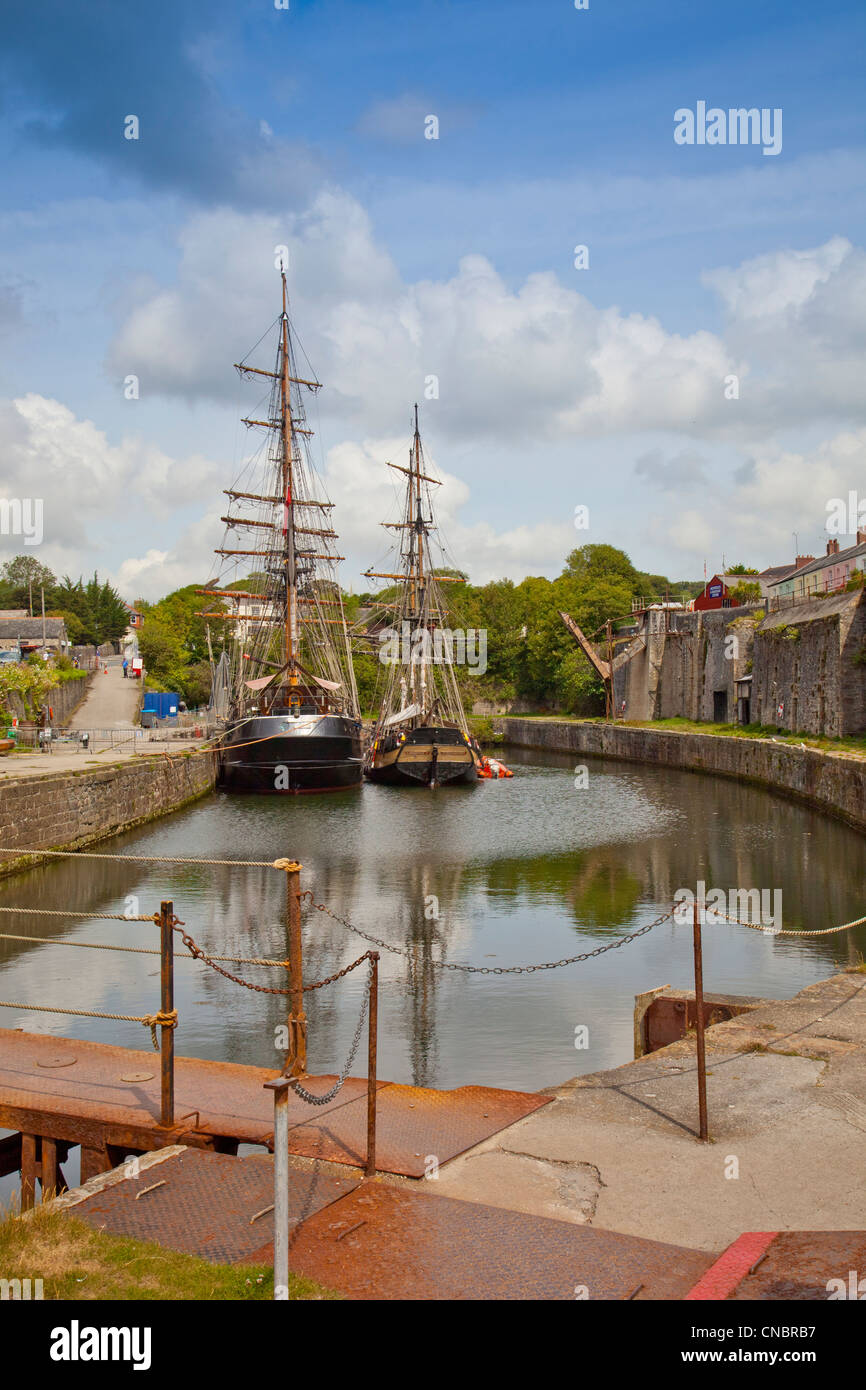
{"type": "Point", "coordinates": [754, 516]}
{"type": "Point", "coordinates": [767, 286]}
{"type": "Point", "coordinates": [541, 359]}
{"type": "Point", "coordinates": [93, 491]}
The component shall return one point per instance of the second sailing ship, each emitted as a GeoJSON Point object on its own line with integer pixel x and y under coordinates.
{"type": "Point", "coordinates": [421, 735]}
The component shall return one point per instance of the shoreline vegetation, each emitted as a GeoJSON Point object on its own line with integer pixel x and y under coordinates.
{"type": "Point", "coordinates": [530, 655]}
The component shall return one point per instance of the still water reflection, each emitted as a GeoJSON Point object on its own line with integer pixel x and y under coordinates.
{"type": "Point", "coordinates": [523, 871]}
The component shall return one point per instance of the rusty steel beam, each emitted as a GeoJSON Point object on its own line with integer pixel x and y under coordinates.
{"type": "Point", "coordinates": [296, 1060]}
{"type": "Point", "coordinates": [372, 1045]}
{"type": "Point", "coordinates": [602, 667]}
{"type": "Point", "coordinates": [94, 1161]}
{"type": "Point", "coordinates": [166, 1004]}
{"type": "Point", "coordinates": [72, 1129]}
{"type": "Point", "coordinates": [699, 1027]}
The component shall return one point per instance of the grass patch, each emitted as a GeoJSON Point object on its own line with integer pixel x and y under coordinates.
{"type": "Point", "coordinates": [693, 726]}
{"type": "Point", "coordinates": [74, 1261]}
{"type": "Point", "coordinates": [856, 744]}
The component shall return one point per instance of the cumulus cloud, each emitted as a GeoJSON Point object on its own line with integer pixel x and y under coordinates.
{"type": "Point", "coordinates": [89, 487]}
{"type": "Point", "coordinates": [757, 510]}
{"type": "Point", "coordinates": [536, 360]}
{"type": "Point", "coordinates": [366, 493]}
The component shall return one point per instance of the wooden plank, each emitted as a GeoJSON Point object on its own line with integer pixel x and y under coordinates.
{"type": "Point", "coordinates": [28, 1171]}
{"type": "Point", "coordinates": [48, 1169]}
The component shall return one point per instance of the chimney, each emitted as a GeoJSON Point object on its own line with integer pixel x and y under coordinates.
{"type": "Point", "coordinates": [833, 546]}
{"type": "Point", "coordinates": [803, 560]}
{"type": "Point", "coordinates": [861, 537]}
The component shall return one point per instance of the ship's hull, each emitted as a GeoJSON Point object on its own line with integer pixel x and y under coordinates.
{"type": "Point", "coordinates": [430, 756]}
{"type": "Point", "coordinates": [279, 754]}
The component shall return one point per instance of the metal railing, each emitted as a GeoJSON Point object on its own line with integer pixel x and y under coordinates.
{"type": "Point", "coordinates": [166, 1019]}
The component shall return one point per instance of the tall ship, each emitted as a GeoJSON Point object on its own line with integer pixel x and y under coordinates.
{"type": "Point", "coordinates": [284, 684]}
{"type": "Point", "coordinates": [421, 737]}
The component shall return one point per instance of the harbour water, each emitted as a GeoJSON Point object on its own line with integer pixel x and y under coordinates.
{"type": "Point", "coordinates": [497, 874]}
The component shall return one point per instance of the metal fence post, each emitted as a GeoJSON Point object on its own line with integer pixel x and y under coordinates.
{"type": "Point", "coordinates": [372, 1039]}
{"type": "Point", "coordinates": [280, 1087]}
{"type": "Point", "coordinates": [296, 1059]}
{"type": "Point", "coordinates": [699, 1027]}
{"type": "Point", "coordinates": [166, 947]}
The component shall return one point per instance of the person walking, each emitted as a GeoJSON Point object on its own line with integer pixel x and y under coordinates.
{"type": "Point", "coordinates": [125, 669]}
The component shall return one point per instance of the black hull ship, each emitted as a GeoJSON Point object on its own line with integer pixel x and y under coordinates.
{"type": "Point", "coordinates": [284, 686]}
{"type": "Point", "coordinates": [300, 752]}
{"type": "Point", "coordinates": [421, 736]}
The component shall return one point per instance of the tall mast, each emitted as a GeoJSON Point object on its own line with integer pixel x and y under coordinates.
{"type": "Point", "coordinates": [287, 434]}
{"type": "Point", "coordinates": [419, 523]}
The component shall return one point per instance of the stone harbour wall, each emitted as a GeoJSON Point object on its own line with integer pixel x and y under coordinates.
{"type": "Point", "coordinates": [831, 782]}
{"type": "Point", "coordinates": [73, 809]}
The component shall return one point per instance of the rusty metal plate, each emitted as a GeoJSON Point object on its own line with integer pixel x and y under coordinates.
{"type": "Point", "coordinates": [205, 1203]}
{"type": "Point", "coordinates": [799, 1265]}
{"type": "Point", "coordinates": [413, 1124]}
{"type": "Point", "coordinates": [387, 1242]}
{"type": "Point", "coordinates": [227, 1100]}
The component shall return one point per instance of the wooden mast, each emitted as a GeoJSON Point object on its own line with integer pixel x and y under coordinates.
{"type": "Point", "coordinates": [287, 434]}
{"type": "Point", "coordinates": [419, 524]}
{"type": "Point", "coordinates": [418, 569]}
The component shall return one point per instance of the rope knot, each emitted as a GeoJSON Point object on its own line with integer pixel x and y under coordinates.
{"type": "Point", "coordinates": [159, 1020]}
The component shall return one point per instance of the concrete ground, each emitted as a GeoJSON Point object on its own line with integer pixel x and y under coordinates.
{"type": "Point", "coordinates": [787, 1116]}
{"type": "Point", "coordinates": [69, 757]}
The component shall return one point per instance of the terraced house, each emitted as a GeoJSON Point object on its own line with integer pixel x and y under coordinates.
{"type": "Point", "coordinates": [826, 575]}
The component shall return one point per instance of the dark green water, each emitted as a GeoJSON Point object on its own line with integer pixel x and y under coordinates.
{"type": "Point", "coordinates": [524, 871]}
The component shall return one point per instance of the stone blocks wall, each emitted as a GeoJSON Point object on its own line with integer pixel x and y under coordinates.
{"type": "Point", "coordinates": [831, 782]}
{"type": "Point", "coordinates": [73, 809]}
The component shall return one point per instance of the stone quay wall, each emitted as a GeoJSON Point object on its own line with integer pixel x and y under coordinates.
{"type": "Point", "coordinates": [70, 810]}
{"type": "Point", "coordinates": [831, 782]}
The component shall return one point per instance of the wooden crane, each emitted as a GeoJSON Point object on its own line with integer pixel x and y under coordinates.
{"type": "Point", "coordinates": [606, 669]}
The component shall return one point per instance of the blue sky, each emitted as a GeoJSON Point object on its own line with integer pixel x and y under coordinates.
{"type": "Point", "coordinates": [452, 256]}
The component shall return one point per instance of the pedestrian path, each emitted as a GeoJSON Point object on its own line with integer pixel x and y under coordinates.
{"type": "Point", "coordinates": [110, 703]}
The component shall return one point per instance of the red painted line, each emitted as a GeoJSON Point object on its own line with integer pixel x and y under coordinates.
{"type": "Point", "coordinates": [732, 1265]}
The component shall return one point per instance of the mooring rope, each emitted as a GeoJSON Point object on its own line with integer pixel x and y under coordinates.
{"type": "Point", "coordinates": [151, 1021]}
{"type": "Point", "coordinates": [65, 912]}
{"type": "Point", "coordinates": [140, 950]}
{"type": "Point", "coordinates": [145, 858]}
{"type": "Point", "coordinates": [764, 927]}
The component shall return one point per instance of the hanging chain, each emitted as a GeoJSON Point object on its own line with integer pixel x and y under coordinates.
{"type": "Point", "coordinates": [329, 1095]}
{"type": "Point", "coordinates": [491, 969]}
